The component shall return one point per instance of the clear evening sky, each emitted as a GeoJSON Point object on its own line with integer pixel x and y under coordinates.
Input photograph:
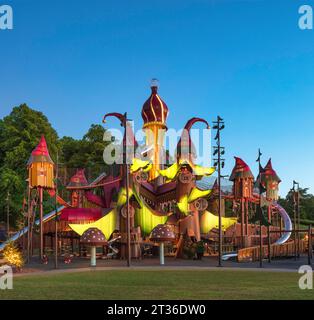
{"type": "Point", "coordinates": [245, 60]}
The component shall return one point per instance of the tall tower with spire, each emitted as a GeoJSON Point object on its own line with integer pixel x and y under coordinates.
{"type": "Point", "coordinates": [40, 166]}
{"type": "Point", "coordinates": [76, 182]}
{"type": "Point", "coordinates": [270, 181]}
{"type": "Point", "coordinates": [243, 180]}
{"type": "Point", "coordinates": [154, 114]}
{"type": "Point", "coordinates": [243, 184]}
{"type": "Point", "coordinates": [41, 176]}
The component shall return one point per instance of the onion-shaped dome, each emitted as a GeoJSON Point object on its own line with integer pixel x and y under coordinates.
{"type": "Point", "coordinates": [155, 110]}
{"type": "Point", "coordinates": [93, 237]}
{"type": "Point", "coordinates": [241, 170]}
{"type": "Point", "coordinates": [162, 232]}
{"type": "Point", "coordinates": [78, 180]}
{"type": "Point", "coordinates": [40, 153]}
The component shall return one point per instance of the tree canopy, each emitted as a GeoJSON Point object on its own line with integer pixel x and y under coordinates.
{"type": "Point", "coordinates": [306, 205]}
{"type": "Point", "coordinates": [20, 132]}
{"type": "Point", "coordinates": [86, 152]}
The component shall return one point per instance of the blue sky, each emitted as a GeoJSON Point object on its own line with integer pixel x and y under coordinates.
{"type": "Point", "coordinates": [245, 60]}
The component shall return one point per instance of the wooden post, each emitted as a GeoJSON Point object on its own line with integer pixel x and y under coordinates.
{"type": "Point", "coordinates": [260, 208]}
{"type": "Point", "coordinates": [41, 239]}
{"type": "Point", "coordinates": [310, 245]}
{"type": "Point", "coordinates": [28, 223]}
{"type": "Point", "coordinates": [128, 224]}
{"type": "Point", "coordinates": [261, 244]}
{"type": "Point", "coordinates": [242, 223]}
{"type": "Point", "coordinates": [56, 212]}
{"type": "Point", "coordinates": [269, 213]}
{"type": "Point", "coordinates": [8, 216]}
{"type": "Point", "coordinates": [127, 185]}
{"type": "Point", "coordinates": [269, 246]}
{"type": "Point", "coordinates": [247, 218]}
{"type": "Point", "coordinates": [298, 220]}
{"type": "Point", "coordinates": [72, 244]}
{"type": "Point", "coordinates": [295, 225]}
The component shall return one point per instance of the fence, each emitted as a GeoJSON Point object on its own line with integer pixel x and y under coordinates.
{"type": "Point", "coordinates": [252, 254]}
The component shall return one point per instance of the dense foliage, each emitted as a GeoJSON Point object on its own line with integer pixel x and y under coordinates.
{"type": "Point", "coordinates": [20, 132]}
{"type": "Point", "coordinates": [306, 205]}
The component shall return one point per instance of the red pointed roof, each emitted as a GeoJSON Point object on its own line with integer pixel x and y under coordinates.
{"type": "Point", "coordinates": [270, 173]}
{"type": "Point", "coordinates": [78, 180]}
{"type": "Point", "coordinates": [154, 109]}
{"type": "Point", "coordinates": [40, 153]}
{"type": "Point", "coordinates": [241, 170]}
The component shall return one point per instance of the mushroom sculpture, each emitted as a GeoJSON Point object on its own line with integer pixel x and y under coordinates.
{"type": "Point", "coordinates": [93, 237]}
{"type": "Point", "coordinates": [162, 233]}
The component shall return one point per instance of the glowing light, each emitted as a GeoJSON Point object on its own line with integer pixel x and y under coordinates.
{"type": "Point", "coordinates": [13, 255]}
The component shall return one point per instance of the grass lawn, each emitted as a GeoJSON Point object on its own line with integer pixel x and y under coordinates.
{"type": "Point", "coordinates": [149, 284]}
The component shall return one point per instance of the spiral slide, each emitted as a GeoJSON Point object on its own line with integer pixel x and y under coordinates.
{"type": "Point", "coordinates": [287, 224]}
{"type": "Point", "coordinates": [23, 231]}
{"type": "Point", "coordinates": [284, 237]}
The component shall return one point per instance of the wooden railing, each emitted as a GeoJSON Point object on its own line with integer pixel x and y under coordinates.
{"type": "Point", "coordinates": [252, 254]}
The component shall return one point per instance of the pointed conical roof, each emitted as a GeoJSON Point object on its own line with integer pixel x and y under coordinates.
{"type": "Point", "coordinates": [40, 153]}
{"type": "Point", "coordinates": [241, 170]}
{"type": "Point", "coordinates": [78, 180]}
{"type": "Point", "coordinates": [215, 189]}
{"type": "Point", "coordinates": [270, 173]}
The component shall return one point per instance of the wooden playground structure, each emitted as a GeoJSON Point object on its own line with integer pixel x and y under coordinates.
{"type": "Point", "coordinates": [128, 205]}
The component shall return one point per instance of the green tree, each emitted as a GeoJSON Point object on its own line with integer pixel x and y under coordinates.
{"type": "Point", "coordinates": [306, 204]}
{"type": "Point", "coordinates": [86, 152]}
{"type": "Point", "coordinates": [20, 132]}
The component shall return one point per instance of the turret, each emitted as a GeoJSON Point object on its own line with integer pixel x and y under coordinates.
{"type": "Point", "coordinates": [40, 167]}
{"type": "Point", "coordinates": [41, 176]}
{"type": "Point", "coordinates": [76, 183]}
{"type": "Point", "coordinates": [154, 114]}
{"type": "Point", "coordinates": [270, 181]}
{"type": "Point", "coordinates": [243, 180]}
